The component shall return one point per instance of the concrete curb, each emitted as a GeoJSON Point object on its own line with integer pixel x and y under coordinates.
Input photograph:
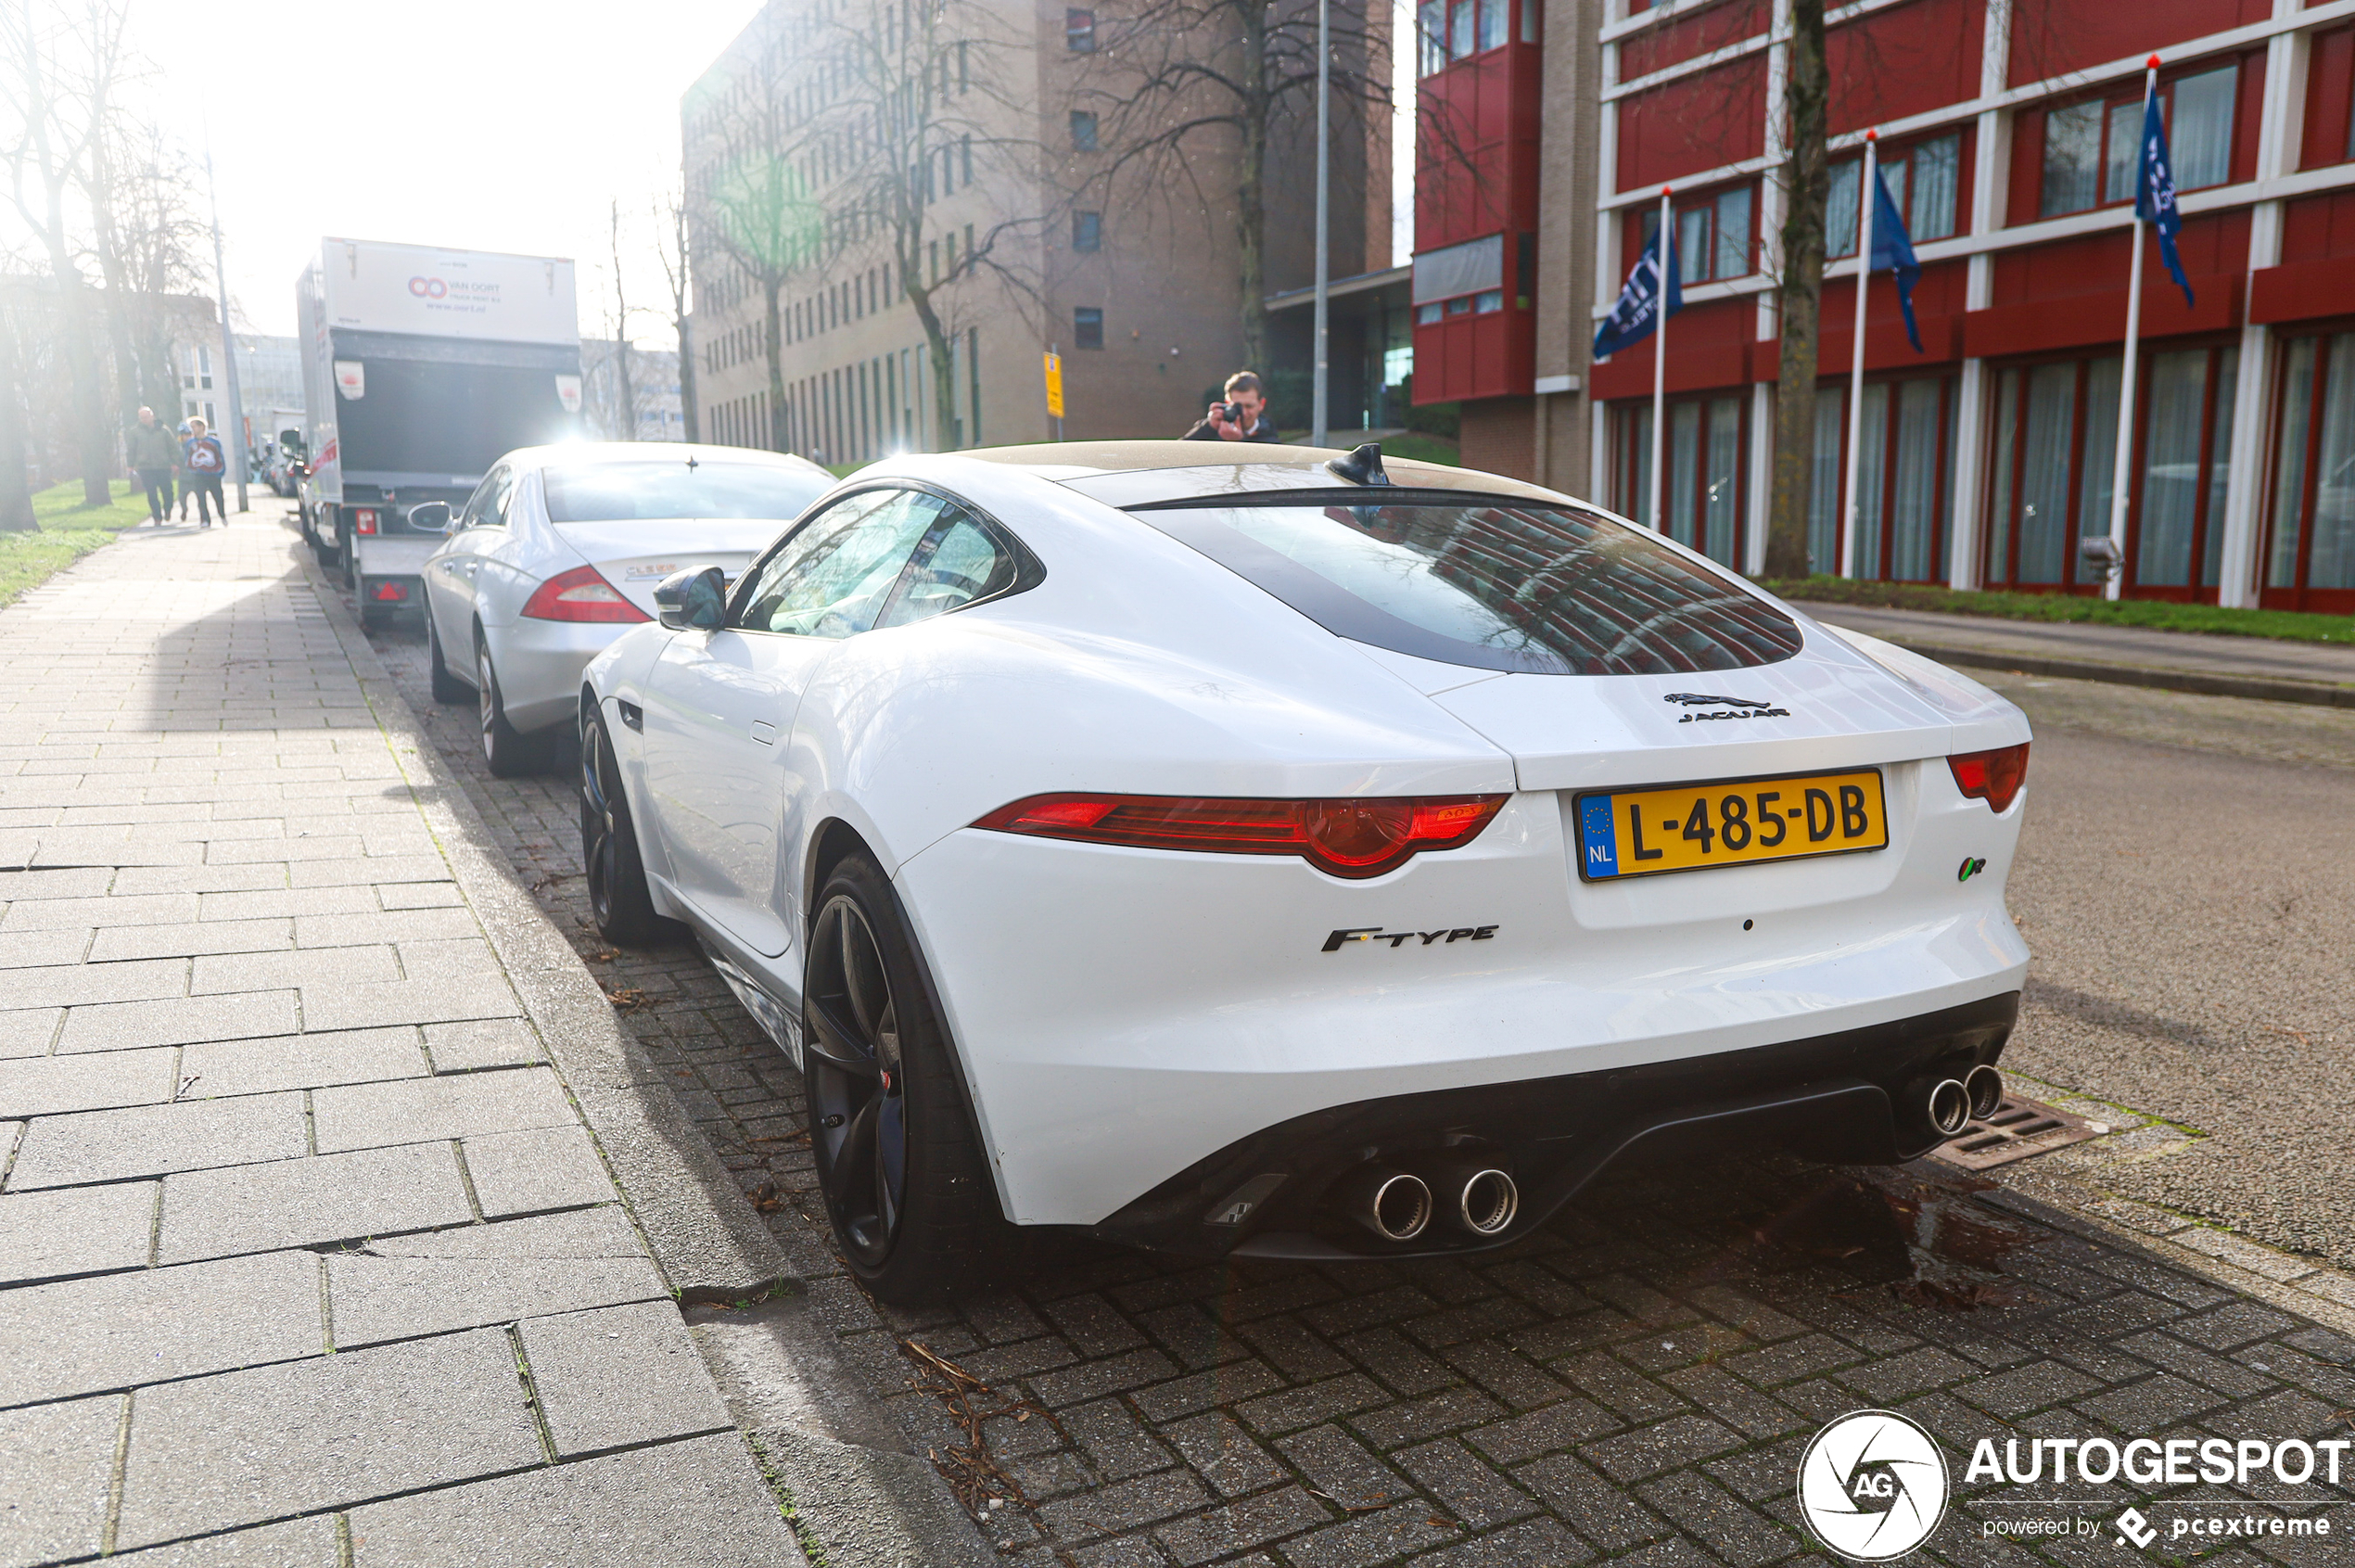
{"type": "Point", "coordinates": [880, 1510]}
{"type": "Point", "coordinates": [704, 1234]}
{"type": "Point", "coordinates": [2311, 692]}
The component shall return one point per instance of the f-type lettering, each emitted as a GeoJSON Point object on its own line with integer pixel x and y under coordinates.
{"type": "Point", "coordinates": [1359, 933]}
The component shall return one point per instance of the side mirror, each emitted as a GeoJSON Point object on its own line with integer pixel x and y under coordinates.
{"type": "Point", "coordinates": [430, 516]}
{"type": "Point", "coordinates": [693, 600]}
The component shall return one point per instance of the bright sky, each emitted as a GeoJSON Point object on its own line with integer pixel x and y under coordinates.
{"type": "Point", "coordinates": [490, 125]}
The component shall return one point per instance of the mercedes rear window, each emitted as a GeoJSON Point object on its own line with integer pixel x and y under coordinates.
{"type": "Point", "coordinates": [1495, 584]}
{"type": "Point", "coordinates": [621, 492]}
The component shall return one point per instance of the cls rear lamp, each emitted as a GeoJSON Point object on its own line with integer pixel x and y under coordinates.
{"type": "Point", "coordinates": [580, 594]}
{"type": "Point", "coordinates": [1992, 776]}
{"type": "Point", "coordinates": [1350, 838]}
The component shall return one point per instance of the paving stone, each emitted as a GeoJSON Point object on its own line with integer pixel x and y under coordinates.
{"type": "Point", "coordinates": [2025, 1388]}
{"type": "Point", "coordinates": [1089, 1380]}
{"type": "Point", "coordinates": [624, 1510]}
{"type": "Point", "coordinates": [181, 1021]}
{"type": "Point", "coordinates": [275, 902]}
{"type": "Point", "coordinates": [320, 969]}
{"type": "Point", "coordinates": [1600, 1511]}
{"type": "Point", "coordinates": [1240, 1525]}
{"type": "Point", "coordinates": [44, 1085]}
{"type": "Point", "coordinates": [1556, 1426]}
{"type": "Point", "coordinates": [362, 1116]}
{"type": "Point", "coordinates": [1371, 1538]}
{"type": "Point", "coordinates": [75, 1229]}
{"type": "Point", "coordinates": [1463, 1486]}
{"type": "Point", "coordinates": [1224, 1455]}
{"type": "Point", "coordinates": [28, 911]}
{"type": "Point", "coordinates": [56, 1471]}
{"type": "Point", "coordinates": [34, 949]}
{"type": "Point", "coordinates": [1721, 1522]}
{"type": "Point", "coordinates": [1541, 1543]}
{"type": "Point", "coordinates": [297, 1543]}
{"type": "Point", "coordinates": [303, 1202]}
{"type": "Point", "coordinates": [153, 1139]}
{"type": "Point", "coordinates": [1427, 1417]}
{"type": "Point", "coordinates": [546, 1168]}
{"type": "Point", "coordinates": [619, 1376]}
{"type": "Point", "coordinates": [259, 1066]}
{"type": "Point", "coordinates": [1680, 1440]}
{"type": "Point", "coordinates": [1305, 1406]}
{"type": "Point", "coordinates": [410, 1285]}
{"type": "Point", "coordinates": [1126, 1505]}
{"type": "Point", "coordinates": [1117, 1443]}
{"type": "Point", "coordinates": [483, 1043]}
{"type": "Point", "coordinates": [29, 1032]}
{"type": "Point", "coordinates": [1337, 1466]}
{"type": "Point", "coordinates": [187, 940]}
{"type": "Point", "coordinates": [214, 1453]}
{"type": "Point", "coordinates": [80, 1336]}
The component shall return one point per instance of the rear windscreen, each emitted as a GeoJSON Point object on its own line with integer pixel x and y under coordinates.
{"type": "Point", "coordinates": [1496, 585]}
{"type": "Point", "coordinates": [616, 492]}
{"type": "Point", "coordinates": [433, 416]}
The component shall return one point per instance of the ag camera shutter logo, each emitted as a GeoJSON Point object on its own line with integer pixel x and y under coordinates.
{"type": "Point", "coordinates": [1873, 1486]}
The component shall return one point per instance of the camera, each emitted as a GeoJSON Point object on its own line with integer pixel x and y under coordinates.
{"type": "Point", "coordinates": [1224, 413]}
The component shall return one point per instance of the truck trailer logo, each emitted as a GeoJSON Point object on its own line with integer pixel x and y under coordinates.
{"type": "Point", "coordinates": [428, 287]}
{"type": "Point", "coordinates": [1873, 1486]}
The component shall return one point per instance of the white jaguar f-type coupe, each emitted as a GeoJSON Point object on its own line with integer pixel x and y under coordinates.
{"type": "Point", "coordinates": [1282, 853]}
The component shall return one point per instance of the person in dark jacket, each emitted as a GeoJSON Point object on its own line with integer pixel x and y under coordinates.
{"type": "Point", "coordinates": [153, 455]}
{"type": "Point", "coordinates": [206, 463]}
{"type": "Point", "coordinates": [1243, 417]}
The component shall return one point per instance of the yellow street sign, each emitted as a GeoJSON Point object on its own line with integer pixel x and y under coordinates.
{"type": "Point", "coordinates": [1054, 386]}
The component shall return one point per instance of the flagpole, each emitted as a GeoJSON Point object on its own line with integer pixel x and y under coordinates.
{"type": "Point", "coordinates": [2121, 464]}
{"type": "Point", "coordinates": [1867, 206]}
{"type": "Point", "coordinates": [1665, 252]}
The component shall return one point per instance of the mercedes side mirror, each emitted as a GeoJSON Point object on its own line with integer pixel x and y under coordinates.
{"type": "Point", "coordinates": [692, 600]}
{"type": "Point", "coordinates": [430, 516]}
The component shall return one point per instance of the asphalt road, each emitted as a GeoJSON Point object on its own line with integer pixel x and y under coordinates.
{"type": "Point", "coordinates": [2187, 885]}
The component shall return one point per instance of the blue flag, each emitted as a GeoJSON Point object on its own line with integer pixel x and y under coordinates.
{"type": "Point", "coordinates": [1638, 312]}
{"type": "Point", "coordinates": [1893, 248]}
{"type": "Point", "coordinates": [2155, 192]}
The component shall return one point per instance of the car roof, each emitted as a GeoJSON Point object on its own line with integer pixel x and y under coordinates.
{"type": "Point", "coordinates": [1137, 473]}
{"type": "Point", "coordinates": [581, 454]}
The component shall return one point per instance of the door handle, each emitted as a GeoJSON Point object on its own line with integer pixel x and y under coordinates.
{"type": "Point", "coordinates": [765, 732]}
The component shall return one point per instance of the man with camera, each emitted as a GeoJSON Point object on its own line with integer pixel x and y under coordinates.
{"type": "Point", "coordinates": [1243, 417]}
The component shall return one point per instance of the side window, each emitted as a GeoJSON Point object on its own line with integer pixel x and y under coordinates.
{"type": "Point", "coordinates": [487, 508]}
{"type": "Point", "coordinates": [957, 563]}
{"type": "Point", "coordinates": [834, 577]}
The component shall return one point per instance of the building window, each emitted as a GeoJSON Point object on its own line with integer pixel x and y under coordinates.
{"type": "Point", "coordinates": [1083, 131]}
{"type": "Point", "coordinates": [1487, 300]}
{"type": "Point", "coordinates": [1080, 32]}
{"type": "Point", "coordinates": [2091, 149]}
{"type": "Point", "coordinates": [1087, 230]}
{"type": "Point", "coordinates": [1712, 238]}
{"type": "Point", "coordinates": [204, 372]}
{"type": "Point", "coordinates": [1431, 37]}
{"type": "Point", "coordinates": [1495, 17]}
{"type": "Point", "coordinates": [1425, 315]}
{"type": "Point", "coordinates": [1924, 181]}
{"type": "Point", "coordinates": [2312, 546]}
{"type": "Point", "coordinates": [965, 171]}
{"type": "Point", "coordinates": [1088, 328]}
{"type": "Point", "coordinates": [1700, 472]}
{"type": "Point", "coordinates": [2056, 443]}
{"type": "Point", "coordinates": [1905, 480]}
{"type": "Point", "coordinates": [1459, 307]}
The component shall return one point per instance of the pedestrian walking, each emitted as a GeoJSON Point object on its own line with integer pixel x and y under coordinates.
{"type": "Point", "coordinates": [153, 455]}
{"type": "Point", "coordinates": [206, 461]}
{"type": "Point", "coordinates": [1240, 418]}
{"type": "Point", "coordinates": [180, 467]}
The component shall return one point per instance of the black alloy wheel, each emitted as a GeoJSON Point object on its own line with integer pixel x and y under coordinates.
{"type": "Point", "coordinates": [616, 874]}
{"type": "Point", "coordinates": [912, 1204]}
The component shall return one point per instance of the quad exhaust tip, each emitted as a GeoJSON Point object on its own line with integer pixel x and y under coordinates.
{"type": "Point", "coordinates": [1949, 1107]}
{"type": "Point", "coordinates": [1986, 1087]}
{"type": "Point", "coordinates": [1394, 1205]}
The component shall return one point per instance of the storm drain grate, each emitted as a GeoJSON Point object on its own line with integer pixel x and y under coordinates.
{"type": "Point", "coordinates": [2020, 1128]}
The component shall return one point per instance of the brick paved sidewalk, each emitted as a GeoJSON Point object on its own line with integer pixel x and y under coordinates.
{"type": "Point", "coordinates": [1636, 1384]}
{"type": "Point", "coordinates": [304, 1247]}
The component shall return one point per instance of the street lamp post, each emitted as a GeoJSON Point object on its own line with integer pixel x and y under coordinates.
{"type": "Point", "coordinates": [228, 337]}
{"type": "Point", "coordinates": [1318, 422]}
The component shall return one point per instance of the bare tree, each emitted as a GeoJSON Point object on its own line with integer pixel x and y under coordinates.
{"type": "Point", "coordinates": [625, 392]}
{"type": "Point", "coordinates": [676, 263]}
{"type": "Point", "coordinates": [1799, 296]}
{"type": "Point", "coordinates": [60, 79]}
{"type": "Point", "coordinates": [16, 493]}
{"type": "Point", "coordinates": [1188, 93]}
{"type": "Point", "coordinates": [147, 242]}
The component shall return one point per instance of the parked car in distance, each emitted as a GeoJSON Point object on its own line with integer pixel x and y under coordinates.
{"type": "Point", "coordinates": [557, 552]}
{"type": "Point", "coordinates": [1285, 854]}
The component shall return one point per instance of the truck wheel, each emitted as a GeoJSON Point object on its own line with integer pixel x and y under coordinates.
{"type": "Point", "coordinates": [447, 688]}
{"type": "Point", "coordinates": [510, 753]}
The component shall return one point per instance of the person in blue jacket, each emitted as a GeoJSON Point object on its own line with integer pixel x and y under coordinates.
{"type": "Point", "coordinates": [206, 463]}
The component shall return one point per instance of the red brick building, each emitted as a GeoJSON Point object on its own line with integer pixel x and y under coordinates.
{"type": "Point", "coordinates": [2006, 134]}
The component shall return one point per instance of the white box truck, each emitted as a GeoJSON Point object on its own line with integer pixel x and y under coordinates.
{"type": "Point", "coordinates": [421, 368]}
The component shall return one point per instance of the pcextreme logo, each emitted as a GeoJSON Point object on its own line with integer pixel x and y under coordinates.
{"type": "Point", "coordinates": [1872, 1486]}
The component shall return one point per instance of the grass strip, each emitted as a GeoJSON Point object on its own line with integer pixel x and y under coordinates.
{"type": "Point", "coordinates": [2295, 625]}
{"type": "Point", "coordinates": [68, 531]}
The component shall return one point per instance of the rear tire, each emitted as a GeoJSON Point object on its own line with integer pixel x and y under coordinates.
{"type": "Point", "coordinates": [615, 871]}
{"type": "Point", "coordinates": [510, 753]}
{"type": "Point", "coordinates": [447, 688]}
{"type": "Point", "coordinates": [912, 1201]}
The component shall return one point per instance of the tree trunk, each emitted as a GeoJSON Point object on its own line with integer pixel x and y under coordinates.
{"type": "Point", "coordinates": [774, 340]}
{"type": "Point", "coordinates": [690, 420]}
{"type": "Point", "coordinates": [1801, 302]}
{"type": "Point", "coordinates": [1251, 200]}
{"type": "Point", "coordinates": [15, 494]}
{"type": "Point", "coordinates": [944, 372]}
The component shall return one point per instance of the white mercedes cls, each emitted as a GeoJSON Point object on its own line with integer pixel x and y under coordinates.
{"type": "Point", "coordinates": [557, 552]}
{"type": "Point", "coordinates": [1267, 853]}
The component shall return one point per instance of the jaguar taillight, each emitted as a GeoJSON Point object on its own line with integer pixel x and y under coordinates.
{"type": "Point", "coordinates": [1344, 837]}
{"type": "Point", "coordinates": [1992, 776]}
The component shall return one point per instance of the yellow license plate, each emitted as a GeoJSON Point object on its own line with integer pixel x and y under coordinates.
{"type": "Point", "coordinates": [1692, 827]}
